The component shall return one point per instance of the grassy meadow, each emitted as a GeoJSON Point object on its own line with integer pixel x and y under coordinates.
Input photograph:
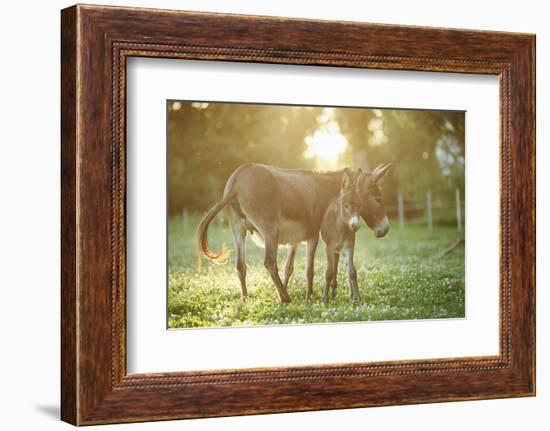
{"type": "Point", "coordinates": [398, 280]}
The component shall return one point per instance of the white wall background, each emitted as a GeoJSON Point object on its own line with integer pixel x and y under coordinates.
{"type": "Point", "coordinates": [29, 214]}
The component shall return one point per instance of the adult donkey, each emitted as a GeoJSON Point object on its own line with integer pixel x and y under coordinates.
{"type": "Point", "coordinates": [285, 206]}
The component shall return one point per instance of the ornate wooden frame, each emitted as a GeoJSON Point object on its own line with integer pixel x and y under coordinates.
{"type": "Point", "coordinates": [95, 43]}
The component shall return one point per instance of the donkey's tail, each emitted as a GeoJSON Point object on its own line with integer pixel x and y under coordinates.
{"type": "Point", "coordinates": [201, 235]}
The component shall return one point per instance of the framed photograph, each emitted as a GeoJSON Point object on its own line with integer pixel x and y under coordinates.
{"type": "Point", "coordinates": [265, 215]}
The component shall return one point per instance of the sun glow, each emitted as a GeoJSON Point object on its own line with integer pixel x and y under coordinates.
{"type": "Point", "coordinates": [325, 144]}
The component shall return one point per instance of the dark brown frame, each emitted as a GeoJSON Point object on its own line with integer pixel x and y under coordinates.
{"type": "Point", "coordinates": [95, 43]}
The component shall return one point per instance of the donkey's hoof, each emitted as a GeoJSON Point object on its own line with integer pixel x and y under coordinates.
{"type": "Point", "coordinates": [286, 299]}
{"type": "Point", "coordinates": [244, 298]}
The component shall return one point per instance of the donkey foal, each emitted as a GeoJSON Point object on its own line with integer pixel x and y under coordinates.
{"type": "Point", "coordinates": [340, 222]}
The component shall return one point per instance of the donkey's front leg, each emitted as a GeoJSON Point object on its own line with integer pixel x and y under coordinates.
{"type": "Point", "coordinates": [334, 283]}
{"type": "Point", "coordinates": [330, 274]}
{"type": "Point", "coordinates": [352, 274]}
{"type": "Point", "coordinates": [289, 267]}
{"type": "Point", "coordinates": [311, 248]}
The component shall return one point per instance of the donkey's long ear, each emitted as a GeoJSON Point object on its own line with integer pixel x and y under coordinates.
{"type": "Point", "coordinates": [380, 172]}
{"type": "Point", "coordinates": [359, 179]}
{"type": "Point", "coordinates": [380, 166]}
{"type": "Point", "coordinates": [346, 179]}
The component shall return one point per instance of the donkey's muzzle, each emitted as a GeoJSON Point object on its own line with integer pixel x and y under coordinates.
{"type": "Point", "coordinates": [382, 228]}
{"type": "Point", "coordinates": [354, 224]}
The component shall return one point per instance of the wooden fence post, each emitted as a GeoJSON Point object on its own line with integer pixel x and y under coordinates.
{"type": "Point", "coordinates": [185, 218]}
{"type": "Point", "coordinates": [429, 209]}
{"type": "Point", "coordinates": [400, 211]}
{"type": "Point", "coordinates": [458, 210]}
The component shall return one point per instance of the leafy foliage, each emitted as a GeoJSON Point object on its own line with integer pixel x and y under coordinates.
{"type": "Point", "coordinates": [208, 141]}
{"type": "Point", "coordinates": [206, 145]}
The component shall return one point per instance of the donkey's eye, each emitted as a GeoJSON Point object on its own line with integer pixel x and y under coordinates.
{"type": "Point", "coordinates": [347, 207]}
{"type": "Point", "coordinates": [378, 200]}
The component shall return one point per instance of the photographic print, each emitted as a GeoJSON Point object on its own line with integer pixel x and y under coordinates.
{"type": "Point", "coordinates": [286, 214]}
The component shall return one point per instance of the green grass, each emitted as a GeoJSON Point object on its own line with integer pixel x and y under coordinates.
{"type": "Point", "coordinates": [397, 280]}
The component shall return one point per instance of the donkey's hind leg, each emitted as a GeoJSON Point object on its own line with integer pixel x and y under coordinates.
{"type": "Point", "coordinates": [238, 228]}
{"type": "Point", "coordinates": [270, 262]}
{"type": "Point", "coordinates": [289, 267]}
